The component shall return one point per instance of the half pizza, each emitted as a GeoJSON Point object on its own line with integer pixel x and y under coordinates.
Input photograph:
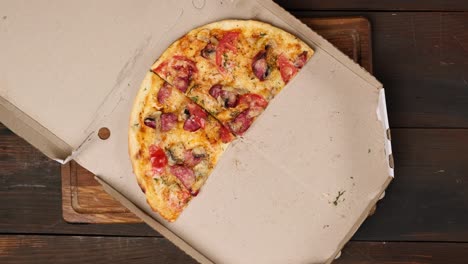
{"type": "Point", "coordinates": [207, 88]}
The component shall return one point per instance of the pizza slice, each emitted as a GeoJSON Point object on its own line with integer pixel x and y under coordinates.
{"type": "Point", "coordinates": [233, 68]}
{"type": "Point", "coordinates": [174, 145]}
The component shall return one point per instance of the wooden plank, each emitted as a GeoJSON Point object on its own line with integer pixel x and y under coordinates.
{"type": "Point", "coordinates": [86, 249]}
{"type": "Point", "coordinates": [403, 253]}
{"type": "Point", "coordinates": [428, 200]}
{"type": "Point", "coordinates": [84, 200]}
{"type": "Point", "coordinates": [30, 194]}
{"type": "Point", "coordinates": [351, 35]}
{"type": "Point", "coordinates": [422, 60]}
{"type": "Point", "coordinates": [369, 5]}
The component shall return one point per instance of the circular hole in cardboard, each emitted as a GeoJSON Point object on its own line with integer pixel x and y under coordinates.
{"type": "Point", "coordinates": [390, 161]}
{"type": "Point", "coordinates": [104, 133]}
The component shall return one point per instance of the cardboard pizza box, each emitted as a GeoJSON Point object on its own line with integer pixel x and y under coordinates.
{"type": "Point", "coordinates": [294, 189]}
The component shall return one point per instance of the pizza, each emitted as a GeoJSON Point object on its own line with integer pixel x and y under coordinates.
{"type": "Point", "coordinates": [205, 90]}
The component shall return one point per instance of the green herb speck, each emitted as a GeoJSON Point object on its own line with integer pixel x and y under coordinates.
{"type": "Point", "coordinates": [194, 98]}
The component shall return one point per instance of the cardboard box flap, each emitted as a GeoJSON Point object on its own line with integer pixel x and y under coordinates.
{"type": "Point", "coordinates": [33, 132]}
{"type": "Point", "coordinates": [294, 189]}
{"type": "Point", "coordinates": [66, 65]}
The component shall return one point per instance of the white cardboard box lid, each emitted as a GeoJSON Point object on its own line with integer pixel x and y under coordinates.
{"type": "Point", "coordinates": [69, 68]}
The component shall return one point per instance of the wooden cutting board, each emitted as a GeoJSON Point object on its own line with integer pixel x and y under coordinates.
{"type": "Point", "coordinates": [84, 200]}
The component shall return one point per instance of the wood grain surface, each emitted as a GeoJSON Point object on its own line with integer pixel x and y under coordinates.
{"type": "Point", "coordinates": [403, 253]}
{"type": "Point", "coordinates": [88, 249]}
{"type": "Point", "coordinates": [85, 201]}
{"type": "Point", "coordinates": [421, 58]}
{"type": "Point", "coordinates": [21, 249]}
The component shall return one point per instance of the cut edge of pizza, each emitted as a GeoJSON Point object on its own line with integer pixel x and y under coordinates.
{"type": "Point", "coordinates": [173, 144]}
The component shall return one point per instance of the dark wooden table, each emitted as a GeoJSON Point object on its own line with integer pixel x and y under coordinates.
{"type": "Point", "coordinates": [420, 54]}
